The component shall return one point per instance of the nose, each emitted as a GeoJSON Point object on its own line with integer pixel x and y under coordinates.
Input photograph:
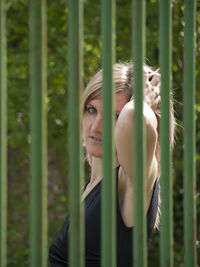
{"type": "Point", "coordinates": [96, 126]}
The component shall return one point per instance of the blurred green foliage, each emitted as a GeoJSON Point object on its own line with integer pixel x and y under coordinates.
{"type": "Point", "coordinates": [18, 111]}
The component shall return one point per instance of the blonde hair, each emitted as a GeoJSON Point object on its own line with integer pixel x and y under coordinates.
{"type": "Point", "coordinates": [123, 81]}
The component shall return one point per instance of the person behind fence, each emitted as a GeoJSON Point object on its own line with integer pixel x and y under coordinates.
{"type": "Point", "coordinates": [92, 138]}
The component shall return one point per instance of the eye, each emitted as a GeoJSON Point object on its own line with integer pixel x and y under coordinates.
{"type": "Point", "coordinates": [91, 109]}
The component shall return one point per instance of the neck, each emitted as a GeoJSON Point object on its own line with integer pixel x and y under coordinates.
{"type": "Point", "coordinates": [96, 169]}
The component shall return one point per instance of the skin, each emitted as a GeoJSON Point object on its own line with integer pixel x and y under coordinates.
{"type": "Point", "coordinates": [92, 132]}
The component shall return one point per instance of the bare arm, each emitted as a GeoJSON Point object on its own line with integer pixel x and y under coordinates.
{"type": "Point", "coordinates": [124, 137]}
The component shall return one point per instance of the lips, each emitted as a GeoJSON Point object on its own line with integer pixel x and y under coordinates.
{"type": "Point", "coordinates": [96, 139]}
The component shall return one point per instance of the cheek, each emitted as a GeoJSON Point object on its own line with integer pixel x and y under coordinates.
{"type": "Point", "coordinates": [85, 127]}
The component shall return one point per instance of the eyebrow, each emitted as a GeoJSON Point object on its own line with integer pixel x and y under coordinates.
{"type": "Point", "coordinates": [89, 104]}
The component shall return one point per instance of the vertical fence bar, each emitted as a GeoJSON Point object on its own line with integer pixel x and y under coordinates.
{"type": "Point", "coordinates": [165, 36]}
{"type": "Point", "coordinates": [37, 62]}
{"type": "Point", "coordinates": [3, 136]}
{"type": "Point", "coordinates": [138, 52]}
{"type": "Point", "coordinates": [76, 248]}
{"type": "Point", "coordinates": [189, 135]}
{"type": "Point", "coordinates": [109, 183]}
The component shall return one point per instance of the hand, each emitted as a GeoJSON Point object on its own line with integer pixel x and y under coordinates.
{"type": "Point", "coordinates": [152, 90]}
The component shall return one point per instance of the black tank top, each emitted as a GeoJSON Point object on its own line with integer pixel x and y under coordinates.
{"type": "Point", "coordinates": [58, 252]}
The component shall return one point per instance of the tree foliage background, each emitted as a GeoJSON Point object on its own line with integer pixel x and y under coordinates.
{"type": "Point", "coordinates": [18, 112]}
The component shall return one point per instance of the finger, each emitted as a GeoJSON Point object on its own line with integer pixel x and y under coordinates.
{"type": "Point", "coordinates": [155, 80]}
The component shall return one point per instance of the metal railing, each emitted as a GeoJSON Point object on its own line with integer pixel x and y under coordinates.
{"type": "Point", "coordinates": [38, 125]}
{"type": "Point", "coordinates": [38, 157]}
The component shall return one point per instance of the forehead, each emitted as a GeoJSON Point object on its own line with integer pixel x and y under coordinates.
{"type": "Point", "coordinates": [120, 99]}
{"type": "Point", "coordinates": [94, 95]}
{"type": "Point", "coordinates": [96, 102]}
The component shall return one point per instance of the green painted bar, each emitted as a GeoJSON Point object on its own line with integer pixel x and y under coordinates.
{"type": "Point", "coordinates": [109, 183]}
{"type": "Point", "coordinates": [3, 136]}
{"type": "Point", "coordinates": [138, 52]}
{"type": "Point", "coordinates": [75, 138]}
{"type": "Point", "coordinates": [189, 135]}
{"type": "Point", "coordinates": [38, 123]}
{"type": "Point", "coordinates": [165, 35]}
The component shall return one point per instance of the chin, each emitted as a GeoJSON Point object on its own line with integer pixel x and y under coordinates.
{"type": "Point", "coordinates": [93, 150]}
{"type": "Point", "coordinates": [94, 153]}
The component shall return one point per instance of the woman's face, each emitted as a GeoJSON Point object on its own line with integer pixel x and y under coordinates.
{"type": "Point", "coordinates": [92, 123]}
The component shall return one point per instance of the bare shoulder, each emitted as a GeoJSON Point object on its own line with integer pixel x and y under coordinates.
{"type": "Point", "coordinates": [126, 116]}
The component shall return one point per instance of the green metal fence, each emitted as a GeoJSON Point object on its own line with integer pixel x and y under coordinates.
{"type": "Point", "coordinates": [166, 179]}
{"type": "Point", "coordinates": [76, 249]}
{"type": "Point", "coordinates": [38, 157]}
{"type": "Point", "coordinates": [189, 136]}
{"type": "Point", "coordinates": [38, 121]}
{"type": "Point", "coordinates": [3, 133]}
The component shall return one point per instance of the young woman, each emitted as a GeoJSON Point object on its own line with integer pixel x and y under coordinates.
{"type": "Point", "coordinates": [92, 136]}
